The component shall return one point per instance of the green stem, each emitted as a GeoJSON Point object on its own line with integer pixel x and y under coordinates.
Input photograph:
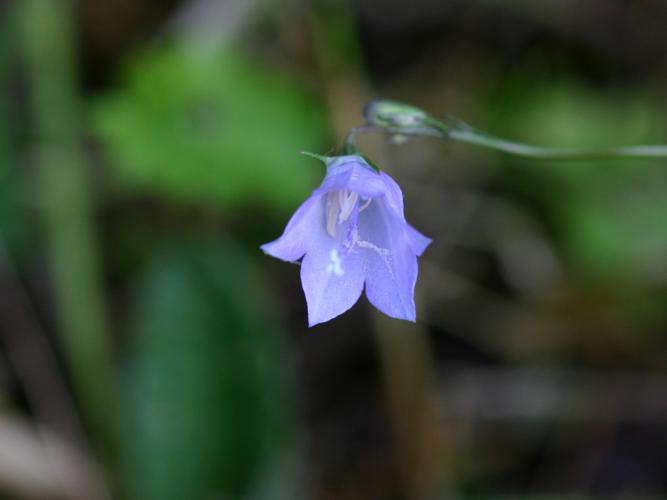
{"type": "Point", "coordinates": [554, 154]}
{"type": "Point", "coordinates": [400, 119]}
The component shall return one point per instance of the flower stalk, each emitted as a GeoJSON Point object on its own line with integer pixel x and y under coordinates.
{"type": "Point", "coordinates": [402, 120]}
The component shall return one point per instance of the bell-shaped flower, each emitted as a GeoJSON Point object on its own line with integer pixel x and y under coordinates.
{"type": "Point", "coordinates": [349, 233]}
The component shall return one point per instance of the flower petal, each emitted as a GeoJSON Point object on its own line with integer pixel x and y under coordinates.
{"type": "Point", "coordinates": [353, 174]}
{"type": "Point", "coordinates": [417, 241]}
{"type": "Point", "coordinates": [391, 263]}
{"type": "Point", "coordinates": [293, 244]}
{"type": "Point", "coordinates": [366, 240]}
{"type": "Point", "coordinates": [393, 193]}
{"type": "Point", "coordinates": [332, 277]}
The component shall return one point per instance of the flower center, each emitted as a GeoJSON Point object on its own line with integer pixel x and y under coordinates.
{"type": "Point", "coordinates": [339, 207]}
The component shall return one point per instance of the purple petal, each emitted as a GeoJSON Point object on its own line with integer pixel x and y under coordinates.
{"type": "Point", "coordinates": [332, 276]}
{"type": "Point", "coordinates": [393, 193]}
{"type": "Point", "coordinates": [417, 241]}
{"type": "Point", "coordinates": [307, 220]}
{"type": "Point", "coordinates": [372, 244]}
{"type": "Point", "coordinates": [354, 174]}
{"type": "Point", "coordinates": [391, 263]}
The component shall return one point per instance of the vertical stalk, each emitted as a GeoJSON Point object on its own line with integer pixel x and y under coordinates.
{"type": "Point", "coordinates": [419, 428]}
{"type": "Point", "coordinates": [340, 61]}
{"type": "Point", "coordinates": [404, 350]}
{"type": "Point", "coordinates": [64, 191]}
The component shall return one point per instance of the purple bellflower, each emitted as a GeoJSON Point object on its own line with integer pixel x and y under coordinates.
{"type": "Point", "coordinates": [352, 232]}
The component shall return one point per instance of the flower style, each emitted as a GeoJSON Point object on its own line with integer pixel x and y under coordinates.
{"type": "Point", "coordinates": [352, 231]}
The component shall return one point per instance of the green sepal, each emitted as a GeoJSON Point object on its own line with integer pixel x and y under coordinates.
{"type": "Point", "coordinates": [371, 163]}
{"type": "Point", "coordinates": [349, 148]}
{"type": "Point", "coordinates": [322, 158]}
{"type": "Point", "coordinates": [327, 160]}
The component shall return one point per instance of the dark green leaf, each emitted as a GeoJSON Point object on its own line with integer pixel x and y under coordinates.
{"type": "Point", "coordinates": [207, 376]}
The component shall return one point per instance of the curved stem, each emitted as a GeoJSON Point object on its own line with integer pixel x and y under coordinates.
{"type": "Point", "coordinates": [395, 118]}
{"type": "Point", "coordinates": [555, 154]}
{"type": "Point", "coordinates": [350, 142]}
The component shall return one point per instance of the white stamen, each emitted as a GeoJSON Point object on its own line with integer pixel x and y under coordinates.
{"type": "Point", "coordinates": [365, 205]}
{"type": "Point", "coordinates": [332, 213]}
{"type": "Point", "coordinates": [339, 206]}
{"type": "Point", "coordinates": [348, 201]}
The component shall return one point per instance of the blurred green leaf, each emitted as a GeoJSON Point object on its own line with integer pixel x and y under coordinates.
{"type": "Point", "coordinates": [211, 128]}
{"type": "Point", "coordinates": [621, 232]}
{"type": "Point", "coordinates": [566, 113]}
{"type": "Point", "coordinates": [610, 213]}
{"type": "Point", "coordinates": [207, 376]}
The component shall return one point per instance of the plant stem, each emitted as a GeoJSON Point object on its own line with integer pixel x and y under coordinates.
{"type": "Point", "coordinates": [398, 119]}
{"type": "Point", "coordinates": [476, 138]}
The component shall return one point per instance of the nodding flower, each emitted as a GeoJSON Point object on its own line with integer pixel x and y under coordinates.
{"type": "Point", "coordinates": [351, 233]}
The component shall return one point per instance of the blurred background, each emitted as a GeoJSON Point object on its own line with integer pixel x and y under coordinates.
{"type": "Point", "coordinates": [149, 350]}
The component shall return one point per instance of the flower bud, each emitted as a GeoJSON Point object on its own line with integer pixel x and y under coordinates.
{"type": "Point", "coordinates": [401, 118]}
